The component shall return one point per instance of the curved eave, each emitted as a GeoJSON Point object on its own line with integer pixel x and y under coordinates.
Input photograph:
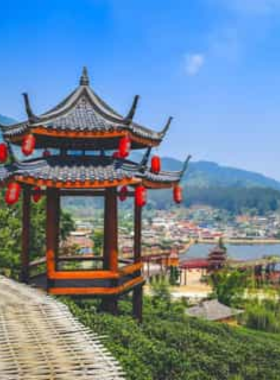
{"type": "Point", "coordinates": [55, 138]}
{"type": "Point", "coordinates": [76, 184]}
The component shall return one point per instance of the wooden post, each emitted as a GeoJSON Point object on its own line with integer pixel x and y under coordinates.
{"type": "Point", "coordinates": [110, 252]}
{"type": "Point", "coordinates": [137, 292]}
{"type": "Point", "coordinates": [138, 303]}
{"type": "Point", "coordinates": [51, 233]}
{"type": "Point", "coordinates": [57, 226]}
{"type": "Point", "coordinates": [110, 255]}
{"type": "Point", "coordinates": [24, 275]}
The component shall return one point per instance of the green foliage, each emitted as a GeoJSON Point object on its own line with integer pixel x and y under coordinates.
{"type": "Point", "coordinates": [229, 286]}
{"type": "Point", "coordinates": [10, 233]}
{"type": "Point", "coordinates": [174, 275]}
{"type": "Point", "coordinates": [171, 346]}
{"type": "Point", "coordinates": [235, 200]}
{"type": "Point", "coordinates": [263, 315]}
{"type": "Point", "coordinates": [98, 240]}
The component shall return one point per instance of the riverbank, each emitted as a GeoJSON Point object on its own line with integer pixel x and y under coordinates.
{"type": "Point", "coordinates": [240, 241]}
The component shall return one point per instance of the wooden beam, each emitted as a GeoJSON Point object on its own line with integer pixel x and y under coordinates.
{"type": "Point", "coordinates": [87, 184]}
{"type": "Point", "coordinates": [25, 240]}
{"type": "Point", "coordinates": [98, 290]}
{"type": "Point", "coordinates": [86, 193]}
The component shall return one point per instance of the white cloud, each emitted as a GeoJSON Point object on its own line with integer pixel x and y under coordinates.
{"type": "Point", "coordinates": [194, 63]}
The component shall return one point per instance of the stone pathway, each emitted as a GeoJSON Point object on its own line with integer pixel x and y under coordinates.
{"type": "Point", "coordinates": [40, 339]}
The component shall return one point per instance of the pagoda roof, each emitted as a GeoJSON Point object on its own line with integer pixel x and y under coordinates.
{"type": "Point", "coordinates": [83, 114]}
{"type": "Point", "coordinates": [86, 172]}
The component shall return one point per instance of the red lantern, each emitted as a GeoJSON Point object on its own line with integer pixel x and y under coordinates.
{"type": "Point", "coordinates": [12, 193]}
{"type": "Point", "coordinates": [28, 145]}
{"type": "Point", "coordinates": [116, 155]}
{"type": "Point", "coordinates": [155, 164]}
{"type": "Point", "coordinates": [46, 153]}
{"type": "Point", "coordinates": [124, 146]}
{"type": "Point", "coordinates": [177, 194]}
{"type": "Point", "coordinates": [3, 153]}
{"type": "Point", "coordinates": [37, 194]}
{"type": "Point", "coordinates": [140, 196]}
{"type": "Point", "coordinates": [123, 193]}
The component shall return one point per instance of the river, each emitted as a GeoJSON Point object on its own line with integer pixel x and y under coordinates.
{"type": "Point", "coordinates": [238, 252]}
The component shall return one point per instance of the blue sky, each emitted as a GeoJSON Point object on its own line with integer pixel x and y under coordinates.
{"type": "Point", "coordinates": [212, 64]}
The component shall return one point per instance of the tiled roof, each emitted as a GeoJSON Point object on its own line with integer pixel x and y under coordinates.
{"type": "Point", "coordinates": [80, 168]}
{"type": "Point", "coordinates": [83, 111]}
{"type": "Point", "coordinates": [212, 310]}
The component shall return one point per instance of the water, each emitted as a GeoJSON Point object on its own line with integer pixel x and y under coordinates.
{"type": "Point", "coordinates": [238, 252]}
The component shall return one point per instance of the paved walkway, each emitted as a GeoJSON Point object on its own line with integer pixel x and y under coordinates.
{"type": "Point", "coordinates": [40, 339]}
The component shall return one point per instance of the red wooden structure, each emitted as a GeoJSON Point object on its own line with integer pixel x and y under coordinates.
{"type": "Point", "coordinates": [83, 122]}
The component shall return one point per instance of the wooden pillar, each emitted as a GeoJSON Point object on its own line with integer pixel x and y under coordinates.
{"type": "Point", "coordinates": [137, 233]}
{"type": "Point", "coordinates": [51, 233]}
{"type": "Point", "coordinates": [57, 227]}
{"type": "Point", "coordinates": [137, 292]}
{"type": "Point", "coordinates": [25, 240]}
{"type": "Point", "coordinates": [138, 303]}
{"type": "Point", "coordinates": [110, 252]}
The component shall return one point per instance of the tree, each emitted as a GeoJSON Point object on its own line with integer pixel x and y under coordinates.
{"type": "Point", "coordinates": [229, 286]}
{"type": "Point", "coordinates": [11, 229]}
{"type": "Point", "coordinates": [98, 240]}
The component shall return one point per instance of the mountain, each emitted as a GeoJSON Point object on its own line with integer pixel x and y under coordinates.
{"type": "Point", "coordinates": [206, 174]}
{"type": "Point", "coordinates": [4, 120]}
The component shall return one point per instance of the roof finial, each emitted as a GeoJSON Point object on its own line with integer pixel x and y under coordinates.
{"type": "Point", "coordinates": [31, 116]}
{"type": "Point", "coordinates": [167, 125]}
{"type": "Point", "coordinates": [185, 166]}
{"type": "Point", "coordinates": [145, 158]}
{"type": "Point", "coordinates": [84, 80]}
{"type": "Point", "coordinates": [128, 119]}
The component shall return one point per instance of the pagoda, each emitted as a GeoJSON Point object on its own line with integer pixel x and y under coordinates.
{"type": "Point", "coordinates": [84, 122]}
{"type": "Point", "coordinates": [217, 258]}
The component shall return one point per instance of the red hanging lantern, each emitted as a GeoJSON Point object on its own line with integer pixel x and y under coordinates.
{"type": "Point", "coordinates": [28, 145]}
{"type": "Point", "coordinates": [116, 155]}
{"type": "Point", "coordinates": [155, 164]}
{"type": "Point", "coordinates": [3, 153]}
{"type": "Point", "coordinates": [46, 153]}
{"type": "Point", "coordinates": [124, 147]}
{"type": "Point", "coordinates": [140, 196]}
{"type": "Point", "coordinates": [37, 194]}
{"type": "Point", "coordinates": [123, 193]}
{"type": "Point", "coordinates": [12, 193]}
{"type": "Point", "coordinates": [177, 194]}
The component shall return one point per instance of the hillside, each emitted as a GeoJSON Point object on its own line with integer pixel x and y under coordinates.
{"type": "Point", "coordinates": [170, 345]}
{"type": "Point", "coordinates": [6, 120]}
{"type": "Point", "coordinates": [210, 174]}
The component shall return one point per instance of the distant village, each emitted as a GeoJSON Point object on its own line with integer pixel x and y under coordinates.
{"type": "Point", "coordinates": [163, 230]}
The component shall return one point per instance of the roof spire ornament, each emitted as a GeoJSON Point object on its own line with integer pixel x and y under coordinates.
{"type": "Point", "coordinates": [185, 166]}
{"type": "Point", "coordinates": [128, 119]}
{"type": "Point", "coordinates": [167, 125]}
{"type": "Point", "coordinates": [31, 116]}
{"type": "Point", "coordinates": [145, 159]}
{"type": "Point", "coordinates": [84, 80]}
